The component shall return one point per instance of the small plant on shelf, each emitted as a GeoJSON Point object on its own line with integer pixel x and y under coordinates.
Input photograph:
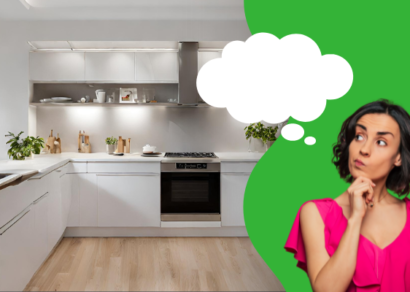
{"type": "Point", "coordinates": [20, 149]}
{"type": "Point", "coordinates": [259, 131]}
{"type": "Point", "coordinates": [111, 144]}
{"type": "Point", "coordinates": [111, 141]}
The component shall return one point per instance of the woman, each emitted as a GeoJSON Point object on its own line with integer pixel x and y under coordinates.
{"type": "Point", "coordinates": [360, 241]}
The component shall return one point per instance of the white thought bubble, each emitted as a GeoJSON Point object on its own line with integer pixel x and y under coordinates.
{"type": "Point", "coordinates": [271, 79]}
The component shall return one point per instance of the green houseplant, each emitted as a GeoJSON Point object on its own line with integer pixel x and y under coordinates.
{"type": "Point", "coordinates": [111, 144]}
{"type": "Point", "coordinates": [20, 149]}
{"type": "Point", "coordinates": [267, 135]}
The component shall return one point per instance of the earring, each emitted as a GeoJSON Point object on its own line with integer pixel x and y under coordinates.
{"type": "Point", "coordinates": [371, 204]}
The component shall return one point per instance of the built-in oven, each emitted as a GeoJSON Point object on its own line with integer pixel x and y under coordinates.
{"type": "Point", "coordinates": [190, 191]}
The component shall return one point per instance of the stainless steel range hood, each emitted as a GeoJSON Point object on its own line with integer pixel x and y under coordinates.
{"type": "Point", "coordinates": [188, 71]}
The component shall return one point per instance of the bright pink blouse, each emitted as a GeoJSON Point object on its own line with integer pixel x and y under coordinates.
{"type": "Point", "coordinates": [384, 270]}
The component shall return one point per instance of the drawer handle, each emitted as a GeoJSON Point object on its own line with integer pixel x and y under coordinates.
{"type": "Point", "coordinates": [14, 221]}
{"type": "Point", "coordinates": [39, 199]}
{"type": "Point", "coordinates": [129, 174]}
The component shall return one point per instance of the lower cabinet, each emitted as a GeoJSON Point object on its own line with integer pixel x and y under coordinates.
{"type": "Point", "coordinates": [84, 200]}
{"type": "Point", "coordinates": [129, 200]}
{"type": "Point", "coordinates": [65, 185]}
{"type": "Point", "coordinates": [55, 209]}
{"type": "Point", "coordinates": [16, 246]}
{"type": "Point", "coordinates": [232, 194]}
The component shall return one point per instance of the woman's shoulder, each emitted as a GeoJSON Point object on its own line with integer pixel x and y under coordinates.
{"type": "Point", "coordinates": [311, 207]}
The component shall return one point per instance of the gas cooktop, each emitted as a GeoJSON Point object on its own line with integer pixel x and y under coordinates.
{"type": "Point", "coordinates": [190, 155]}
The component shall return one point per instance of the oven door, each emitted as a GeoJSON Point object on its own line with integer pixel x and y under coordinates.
{"type": "Point", "coordinates": [190, 192]}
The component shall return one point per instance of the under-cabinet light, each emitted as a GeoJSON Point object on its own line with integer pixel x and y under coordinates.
{"type": "Point", "coordinates": [128, 49]}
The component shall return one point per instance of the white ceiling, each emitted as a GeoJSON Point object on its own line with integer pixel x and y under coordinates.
{"type": "Point", "coordinates": [121, 10]}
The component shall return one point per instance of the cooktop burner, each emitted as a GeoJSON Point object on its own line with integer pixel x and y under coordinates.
{"type": "Point", "coordinates": [190, 155]}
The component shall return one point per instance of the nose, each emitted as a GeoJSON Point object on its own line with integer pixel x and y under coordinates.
{"type": "Point", "coordinates": [365, 150]}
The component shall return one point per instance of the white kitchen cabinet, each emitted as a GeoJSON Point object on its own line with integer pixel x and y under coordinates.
{"type": "Point", "coordinates": [39, 240]}
{"type": "Point", "coordinates": [84, 200]}
{"type": "Point", "coordinates": [57, 66]}
{"type": "Point", "coordinates": [157, 67]}
{"type": "Point", "coordinates": [204, 57]}
{"type": "Point", "coordinates": [233, 186]}
{"type": "Point", "coordinates": [109, 66]}
{"type": "Point", "coordinates": [16, 246]}
{"type": "Point", "coordinates": [55, 210]}
{"type": "Point", "coordinates": [65, 184]}
{"type": "Point", "coordinates": [129, 200]}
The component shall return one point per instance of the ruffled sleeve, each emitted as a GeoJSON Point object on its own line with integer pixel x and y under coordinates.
{"type": "Point", "coordinates": [294, 243]}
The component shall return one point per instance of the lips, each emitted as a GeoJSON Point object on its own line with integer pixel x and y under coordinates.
{"type": "Point", "coordinates": [358, 162]}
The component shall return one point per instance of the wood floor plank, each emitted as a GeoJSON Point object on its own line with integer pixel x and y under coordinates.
{"type": "Point", "coordinates": [155, 264]}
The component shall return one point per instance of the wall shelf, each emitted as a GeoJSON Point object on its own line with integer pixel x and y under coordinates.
{"type": "Point", "coordinates": [163, 104]}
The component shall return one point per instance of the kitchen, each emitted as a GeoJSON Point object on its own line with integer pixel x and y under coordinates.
{"type": "Point", "coordinates": [182, 206]}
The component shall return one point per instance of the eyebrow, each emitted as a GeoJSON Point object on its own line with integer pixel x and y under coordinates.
{"type": "Point", "coordinates": [378, 133]}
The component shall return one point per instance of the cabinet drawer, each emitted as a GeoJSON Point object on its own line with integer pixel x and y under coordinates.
{"type": "Point", "coordinates": [245, 167]}
{"type": "Point", "coordinates": [124, 167]}
{"type": "Point", "coordinates": [15, 199]}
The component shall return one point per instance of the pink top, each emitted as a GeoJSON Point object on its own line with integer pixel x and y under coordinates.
{"type": "Point", "coordinates": [377, 269]}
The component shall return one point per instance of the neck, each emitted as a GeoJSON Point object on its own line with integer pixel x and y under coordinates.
{"type": "Point", "coordinates": [381, 195]}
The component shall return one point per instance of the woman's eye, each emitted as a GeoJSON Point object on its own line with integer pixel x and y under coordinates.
{"type": "Point", "coordinates": [383, 143]}
{"type": "Point", "coordinates": [359, 137]}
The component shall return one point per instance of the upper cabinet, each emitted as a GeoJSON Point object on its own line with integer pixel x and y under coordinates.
{"type": "Point", "coordinates": [156, 67]}
{"type": "Point", "coordinates": [204, 57]}
{"type": "Point", "coordinates": [57, 66]}
{"type": "Point", "coordinates": [109, 66]}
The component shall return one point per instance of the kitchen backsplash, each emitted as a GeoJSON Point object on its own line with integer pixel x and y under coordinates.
{"type": "Point", "coordinates": [168, 128]}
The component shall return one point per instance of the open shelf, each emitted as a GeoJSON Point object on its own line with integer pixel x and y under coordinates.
{"type": "Point", "coordinates": [163, 104]}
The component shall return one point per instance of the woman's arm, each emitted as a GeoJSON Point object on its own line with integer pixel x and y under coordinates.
{"type": "Point", "coordinates": [335, 273]}
{"type": "Point", "coordinates": [328, 273]}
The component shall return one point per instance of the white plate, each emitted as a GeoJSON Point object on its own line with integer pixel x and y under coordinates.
{"type": "Point", "coordinates": [61, 98]}
{"type": "Point", "coordinates": [46, 100]}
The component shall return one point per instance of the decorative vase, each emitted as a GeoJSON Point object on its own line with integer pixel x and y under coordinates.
{"type": "Point", "coordinates": [256, 145]}
{"type": "Point", "coordinates": [111, 148]}
{"type": "Point", "coordinates": [29, 157]}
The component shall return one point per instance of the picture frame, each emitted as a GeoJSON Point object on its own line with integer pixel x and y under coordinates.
{"type": "Point", "coordinates": [132, 94]}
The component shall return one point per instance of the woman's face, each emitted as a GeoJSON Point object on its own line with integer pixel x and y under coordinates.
{"type": "Point", "coordinates": [374, 151]}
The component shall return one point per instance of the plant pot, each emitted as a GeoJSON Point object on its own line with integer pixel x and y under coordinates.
{"type": "Point", "coordinates": [256, 145]}
{"type": "Point", "coordinates": [111, 148]}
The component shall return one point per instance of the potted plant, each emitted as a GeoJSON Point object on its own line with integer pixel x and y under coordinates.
{"type": "Point", "coordinates": [263, 136]}
{"type": "Point", "coordinates": [111, 144]}
{"type": "Point", "coordinates": [20, 150]}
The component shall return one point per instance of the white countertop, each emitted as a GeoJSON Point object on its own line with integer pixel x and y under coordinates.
{"type": "Point", "coordinates": [45, 163]}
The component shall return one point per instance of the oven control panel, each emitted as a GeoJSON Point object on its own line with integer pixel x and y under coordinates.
{"type": "Point", "coordinates": [191, 165]}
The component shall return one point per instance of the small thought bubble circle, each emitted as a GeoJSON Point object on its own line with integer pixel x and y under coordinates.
{"type": "Point", "coordinates": [292, 132]}
{"type": "Point", "coordinates": [310, 140]}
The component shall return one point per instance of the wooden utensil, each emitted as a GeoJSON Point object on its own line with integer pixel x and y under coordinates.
{"type": "Point", "coordinates": [120, 146]}
{"type": "Point", "coordinates": [128, 145]}
{"type": "Point", "coordinates": [50, 143]}
{"type": "Point", "coordinates": [58, 147]}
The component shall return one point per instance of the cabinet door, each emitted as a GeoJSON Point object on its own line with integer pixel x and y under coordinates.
{"type": "Point", "coordinates": [232, 194]}
{"type": "Point", "coordinates": [74, 212]}
{"type": "Point", "coordinates": [55, 217]}
{"type": "Point", "coordinates": [156, 67]}
{"type": "Point", "coordinates": [129, 200]}
{"type": "Point", "coordinates": [39, 240]}
{"type": "Point", "coordinates": [16, 269]}
{"type": "Point", "coordinates": [109, 66]}
{"type": "Point", "coordinates": [65, 184]}
{"type": "Point", "coordinates": [204, 57]}
{"type": "Point", "coordinates": [57, 66]}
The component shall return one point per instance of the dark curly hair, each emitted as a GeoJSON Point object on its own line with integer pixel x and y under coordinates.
{"type": "Point", "coordinates": [399, 177]}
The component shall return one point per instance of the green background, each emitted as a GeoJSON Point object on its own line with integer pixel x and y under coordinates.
{"type": "Point", "coordinates": [373, 36]}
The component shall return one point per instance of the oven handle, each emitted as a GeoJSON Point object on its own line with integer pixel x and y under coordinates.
{"type": "Point", "coordinates": [129, 174]}
{"type": "Point", "coordinates": [236, 173]}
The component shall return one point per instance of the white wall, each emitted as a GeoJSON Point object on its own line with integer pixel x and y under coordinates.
{"type": "Point", "coordinates": [14, 85]}
{"type": "Point", "coordinates": [172, 129]}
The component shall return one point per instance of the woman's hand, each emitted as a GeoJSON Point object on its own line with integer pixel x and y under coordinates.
{"type": "Point", "coordinates": [360, 195]}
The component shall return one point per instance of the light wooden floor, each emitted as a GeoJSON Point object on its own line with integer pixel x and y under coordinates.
{"type": "Point", "coordinates": [155, 264]}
